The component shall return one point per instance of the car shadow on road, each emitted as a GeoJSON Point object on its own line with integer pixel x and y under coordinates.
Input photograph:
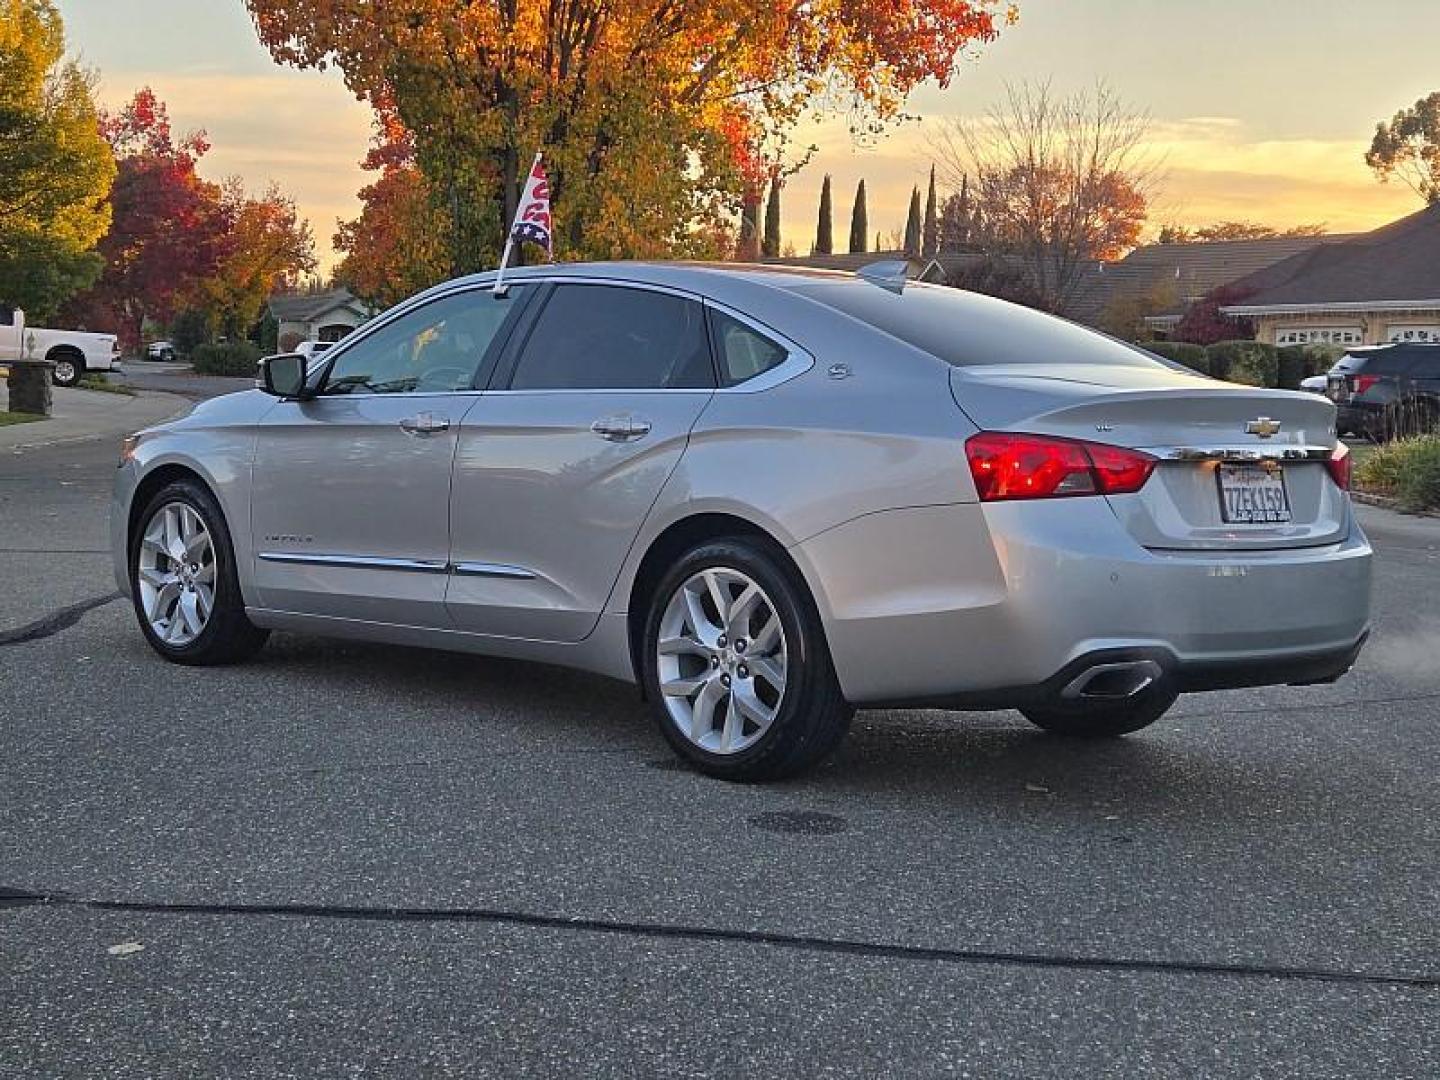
{"type": "Point", "coordinates": [942, 762]}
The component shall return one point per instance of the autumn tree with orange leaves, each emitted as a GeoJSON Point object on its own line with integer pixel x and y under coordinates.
{"type": "Point", "coordinates": [650, 113]}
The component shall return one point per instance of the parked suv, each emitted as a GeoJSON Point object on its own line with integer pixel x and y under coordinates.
{"type": "Point", "coordinates": [1386, 391]}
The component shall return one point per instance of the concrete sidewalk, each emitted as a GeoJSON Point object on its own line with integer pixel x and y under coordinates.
{"type": "Point", "coordinates": [81, 415]}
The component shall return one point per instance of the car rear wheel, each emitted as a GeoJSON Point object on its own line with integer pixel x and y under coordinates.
{"type": "Point", "coordinates": [737, 668]}
{"type": "Point", "coordinates": [183, 582]}
{"type": "Point", "coordinates": [1103, 719]}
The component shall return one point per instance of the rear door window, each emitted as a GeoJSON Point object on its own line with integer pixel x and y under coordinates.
{"type": "Point", "coordinates": [614, 337]}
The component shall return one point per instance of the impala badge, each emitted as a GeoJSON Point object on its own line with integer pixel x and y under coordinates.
{"type": "Point", "coordinates": [1264, 427]}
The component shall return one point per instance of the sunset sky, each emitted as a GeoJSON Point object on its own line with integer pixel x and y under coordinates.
{"type": "Point", "coordinates": [1262, 108]}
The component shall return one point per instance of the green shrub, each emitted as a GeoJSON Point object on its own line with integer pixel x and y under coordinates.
{"type": "Point", "coordinates": [191, 329]}
{"type": "Point", "coordinates": [1250, 362]}
{"type": "Point", "coordinates": [1192, 356]}
{"type": "Point", "coordinates": [1379, 469]}
{"type": "Point", "coordinates": [1298, 362]}
{"type": "Point", "coordinates": [1417, 485]}
{"type": "Point", "coordinates": [231, 358]}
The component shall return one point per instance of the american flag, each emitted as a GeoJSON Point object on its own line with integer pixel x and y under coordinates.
{"type": "Point", "coordinates": [532, 216]}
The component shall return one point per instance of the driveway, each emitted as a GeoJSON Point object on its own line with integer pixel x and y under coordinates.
{"type": "Point", "coordinates": [344, 858]}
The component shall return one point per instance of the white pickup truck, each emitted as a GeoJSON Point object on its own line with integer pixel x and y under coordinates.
{"type": "Point", "coordinates": [73, 353]}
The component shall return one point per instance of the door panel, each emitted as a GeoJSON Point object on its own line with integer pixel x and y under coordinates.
{"type": "Point", "coordinates": [350, 508]}
{"type": "Point", "coordinates": [351, 513]}
{"type": "Point", "coordinates": [544, 508]}
{"type": "Point", "coordinates": [557, 469]}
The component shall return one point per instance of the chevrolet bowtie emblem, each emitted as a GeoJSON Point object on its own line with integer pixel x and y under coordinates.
{"type": "Point", "coordinates": [1264, 427]}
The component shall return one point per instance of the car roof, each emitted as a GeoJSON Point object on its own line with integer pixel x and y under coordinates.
{"type": "Point", "coordinates": [715, 279]}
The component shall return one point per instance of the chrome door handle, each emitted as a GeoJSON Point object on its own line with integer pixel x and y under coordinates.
{"type": "Point", "coordinates": [621, 428]}
{"type": "Point", "coordinates": [424, 424]}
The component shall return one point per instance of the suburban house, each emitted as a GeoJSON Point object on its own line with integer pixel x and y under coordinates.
{"type": "Point", "coordinates": [326, 316]}
{"type": "Point", "coordinates": [1171, 276]}
{"type": "Point", "coordinates": [1369, 289]}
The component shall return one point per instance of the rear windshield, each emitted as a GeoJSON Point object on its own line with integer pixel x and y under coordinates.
{"type": "Point", "coordinates": [967, 329]}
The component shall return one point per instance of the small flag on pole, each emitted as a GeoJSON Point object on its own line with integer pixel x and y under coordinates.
{"type": "Point", "coordinates": [532, 219]}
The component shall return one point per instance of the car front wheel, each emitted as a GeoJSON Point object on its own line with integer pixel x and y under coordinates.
{"type": "Point", "coordinates": [737, 668]}
{"type": "Point", "coordinates": [183, 582]}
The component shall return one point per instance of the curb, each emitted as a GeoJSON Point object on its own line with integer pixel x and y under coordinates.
{"type": "Point", "coordinates": [185, 406]}
{"type": "Point", "coordinates": [1385, 502]}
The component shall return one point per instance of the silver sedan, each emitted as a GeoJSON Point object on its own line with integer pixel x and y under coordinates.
{"type": "Point", "coordinates": [767, 497]}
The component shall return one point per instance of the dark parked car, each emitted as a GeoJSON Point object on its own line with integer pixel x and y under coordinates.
{"type": "Point", "coordinates": [1387, 391]}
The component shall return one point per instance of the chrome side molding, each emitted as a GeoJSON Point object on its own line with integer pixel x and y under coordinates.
{"type": "Point", "coordinates": [417, 566]}
{"type": "Point", "coordinates": [500, 570]}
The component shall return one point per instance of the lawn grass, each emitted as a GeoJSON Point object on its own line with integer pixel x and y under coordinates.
{"type": "Point", "coordinates": [7, 418]}
{"type": "Point", "coordinates": [105, 386]}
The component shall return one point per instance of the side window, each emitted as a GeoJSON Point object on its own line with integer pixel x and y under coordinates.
{"type": "Point", "coordinates": [743, 352]}
{"type": "Point", "coordinates": [435, 349]}
{"type": "Point", "coordinates": [7, 315]}
{"type": "Point", "coordinates": [610, 337]}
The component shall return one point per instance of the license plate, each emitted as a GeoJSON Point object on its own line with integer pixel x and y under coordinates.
{"type": "Point", "coordinates": [1253, 495]}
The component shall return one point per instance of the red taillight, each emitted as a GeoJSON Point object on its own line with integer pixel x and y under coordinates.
{"type": "Point", "coordinates": [1009, 466]}
{"type": "Point", "coordinates": [1339, 466]}
{"type": "Point", "coordinates": [1360, 383]}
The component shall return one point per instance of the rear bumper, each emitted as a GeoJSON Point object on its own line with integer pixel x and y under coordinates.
{"type": "Point", "coordinates": [988, 607]}
{"type": "Point", "coordinates": [1184, 676]}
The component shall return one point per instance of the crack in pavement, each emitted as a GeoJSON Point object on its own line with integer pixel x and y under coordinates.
{"type": "Point", "coordinates": [13, 899]}
{"type": "Point", "coordinates": [56, 621]}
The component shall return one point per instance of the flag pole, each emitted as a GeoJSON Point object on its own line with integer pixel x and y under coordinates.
{"type": "Point", "coordinates": [499, 289]}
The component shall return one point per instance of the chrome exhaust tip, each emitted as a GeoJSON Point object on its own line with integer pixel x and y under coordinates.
{"type": "Point", "coordinates": [1113, 682]}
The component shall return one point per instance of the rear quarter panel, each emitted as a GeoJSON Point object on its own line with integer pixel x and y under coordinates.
{"type": "Point", "coordinates": [817, 451]}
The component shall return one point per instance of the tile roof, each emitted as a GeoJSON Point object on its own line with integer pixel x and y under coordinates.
{"type": "Point", "coordinates": [303, 307]}
{"type": "Point", "coordinates": [1395, 263]}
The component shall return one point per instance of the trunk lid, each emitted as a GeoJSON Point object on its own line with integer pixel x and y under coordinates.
{"type": "Point", "coordinates": [1216, 463]}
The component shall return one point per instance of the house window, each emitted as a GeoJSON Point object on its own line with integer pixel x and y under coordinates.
{"type": "Point", "coordinates": [1422, 332]}
{"type": "Point", "coordinates": [1319, 335]}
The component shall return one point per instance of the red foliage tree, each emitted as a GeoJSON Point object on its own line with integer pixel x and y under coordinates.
{"type": "Point", "coordinates": [1204, 324]}
{"type": "Point", "coordinates": [170, 229]}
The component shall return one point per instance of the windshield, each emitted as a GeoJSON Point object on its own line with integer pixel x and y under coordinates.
{"type": "Point", "coordinates": [967, 329]}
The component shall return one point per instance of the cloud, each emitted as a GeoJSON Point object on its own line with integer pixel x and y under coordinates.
{"type": "Point", "coordinates": [1214, 169]}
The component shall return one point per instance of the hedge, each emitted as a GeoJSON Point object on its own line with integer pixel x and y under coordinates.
{"type": "Point", "coordinates": [231, 358]}
{"type": "Point", "coordinates": [1250, 362]}
{"type": "Point", "coordinates": [1301, 361]}
{"type": "Point", "coordinates": [1181, 352]}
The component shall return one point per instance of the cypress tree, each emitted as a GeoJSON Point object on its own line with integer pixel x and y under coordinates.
{"type": "Point", "coordinates": [932, 221]}
{"type": "Point", "coordinates": [770, 247]}
{"type": "Point", "coordinates": [912, 224]}
{"type": "Point", "coordinates": [859, 222]}
{"type": "Point", "coordinates": [824, 231]}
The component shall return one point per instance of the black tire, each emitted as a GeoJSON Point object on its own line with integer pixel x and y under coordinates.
{"type": "Point", "coordinates": [813, 715]}
{"type": "Point", "coordinates": [1103, 720]}
{"type": "Point", "coordinates": [229, 637]}
{"type": "Point", "coordinates": [69, 369]}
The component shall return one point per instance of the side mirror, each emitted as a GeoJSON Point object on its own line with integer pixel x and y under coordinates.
{"type": "Point", "coordinates": [283, 375]}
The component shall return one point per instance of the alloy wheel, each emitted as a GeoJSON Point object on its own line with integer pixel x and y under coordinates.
{"type": "Point", "coordinates": [176, 574]}
{"type": "Point", "coordinates": [722, 660]}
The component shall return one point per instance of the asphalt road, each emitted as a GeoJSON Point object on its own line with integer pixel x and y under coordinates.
{"type": "Point", "coordinates": [177, 378]}
{"type": "Point", "coordinates": [342, 859]}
